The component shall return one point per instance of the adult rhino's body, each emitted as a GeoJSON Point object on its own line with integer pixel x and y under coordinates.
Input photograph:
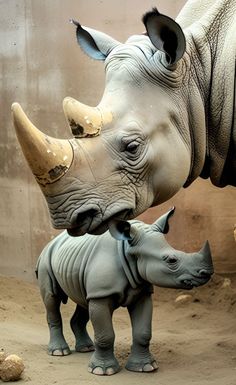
{"type": "Point", "coordinates": [101, 273]}
{"type": "Point", "coordinates": [166, 117]}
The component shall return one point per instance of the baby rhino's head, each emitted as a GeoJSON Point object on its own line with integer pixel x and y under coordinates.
{"type": "Point", "coordinates": [158, 262]}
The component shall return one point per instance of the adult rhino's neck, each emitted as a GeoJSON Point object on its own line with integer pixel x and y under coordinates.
{"type": "Point", "coordinates": [211, 46]}
{"type": "Point", "coordinates": [220, 163]}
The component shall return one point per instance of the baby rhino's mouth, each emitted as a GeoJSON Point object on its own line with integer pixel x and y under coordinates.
{"type": "Point", "coordinates": [187, 284]}
{"type": "Point", "coordinates": [196, 280]}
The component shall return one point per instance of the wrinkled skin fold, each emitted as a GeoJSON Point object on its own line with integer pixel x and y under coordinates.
{"type": "Point", "coordinates": [102, 273]}
{"type": "Point", "coordinates": [166, 117]}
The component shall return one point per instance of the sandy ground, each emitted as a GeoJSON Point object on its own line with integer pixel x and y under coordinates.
{"type": "Point", "coordinates": [195, 341]}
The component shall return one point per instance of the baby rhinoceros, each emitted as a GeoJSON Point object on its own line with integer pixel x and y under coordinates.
{"type": "Point", "coordinates": [101, 273]}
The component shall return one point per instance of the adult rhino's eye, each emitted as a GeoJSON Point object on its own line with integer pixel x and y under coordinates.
{"type": "Point", "coordinates": [132, 147]}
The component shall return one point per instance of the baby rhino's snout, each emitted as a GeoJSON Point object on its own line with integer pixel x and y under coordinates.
{"type": "Point", "coordinates": [205, 273]}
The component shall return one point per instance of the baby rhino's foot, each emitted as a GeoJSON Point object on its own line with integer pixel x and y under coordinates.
{"type": "Point", "coordinates": [101, 371]}
{"type": "Point", "coordinates": [84, 345]}
{"type": "Point", "coordinates": [103, 368]}
{"type": "Point", "coordinates": [142, 366]}
{"type": "Point", "coordinates": [84, 348]}
{"type": "Point", "coordinates": [59, 350]}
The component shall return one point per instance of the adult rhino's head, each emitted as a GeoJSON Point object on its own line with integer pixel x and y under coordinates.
{"type": "Point", "coordinates": [129, 152]}
{"type": "Point", "coordinates": [158, 262]}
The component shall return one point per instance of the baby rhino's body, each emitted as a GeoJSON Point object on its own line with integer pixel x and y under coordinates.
{"type": "Point", "coordinates": [101, 273]}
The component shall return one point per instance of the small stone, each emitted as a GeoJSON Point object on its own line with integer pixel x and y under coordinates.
{"type": "Point", "coordinates": [11, 368]}
{"type": "Point", "coordinates": [226, 283]}
{"type": "Point", "coordinates": [3, 356]}
{"type": "Point", "coordinates": [184, 298]}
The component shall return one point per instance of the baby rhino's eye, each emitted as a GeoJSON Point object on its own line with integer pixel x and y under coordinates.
{"type": "Point", "coordinates": [171, 260]}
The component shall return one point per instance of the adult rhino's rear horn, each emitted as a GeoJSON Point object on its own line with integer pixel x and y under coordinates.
{"type": "Point", "coordinates": [48, 158]}
{"type": "Point", "coordinates": [85, 121]}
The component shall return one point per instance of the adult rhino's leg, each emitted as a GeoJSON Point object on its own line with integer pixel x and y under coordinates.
{"type": "Point", "coordinates": [140, 359]}
{"type": "Point", "coordinates": [57, 344]}
{"type": "Point", "coordinates": [78, 325]}
{"type": "Point", "coordinates": [103, 361]}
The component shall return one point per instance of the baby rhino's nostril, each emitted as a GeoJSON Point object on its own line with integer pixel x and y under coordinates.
{"type": "Point", "coordinates": [204, 273]}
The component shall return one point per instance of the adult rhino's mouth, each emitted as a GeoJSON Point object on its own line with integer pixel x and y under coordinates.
{"type": "Point", "coordinates": [89, 222]}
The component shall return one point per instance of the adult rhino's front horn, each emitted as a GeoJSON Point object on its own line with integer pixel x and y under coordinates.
{"type": "Point", "coordinates": [48, 158]}
{"type": "Point", "coordinates": [85, 121]}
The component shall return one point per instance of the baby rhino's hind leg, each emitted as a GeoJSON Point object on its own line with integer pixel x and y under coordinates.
{"type": "Point", "coordinates": [57, 345]}
{"type": "Point", "coordinates": [78, 325]}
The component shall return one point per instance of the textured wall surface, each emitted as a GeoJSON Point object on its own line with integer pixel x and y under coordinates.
{"type": "Point", "coordinates": [40, 65]}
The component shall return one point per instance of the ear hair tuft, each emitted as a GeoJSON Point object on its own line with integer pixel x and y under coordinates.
{"type": "Point", "coordinates": [153, 12]}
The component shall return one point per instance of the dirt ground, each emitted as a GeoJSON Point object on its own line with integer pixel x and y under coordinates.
{"type": "Point", "coordinates": [194, 341]}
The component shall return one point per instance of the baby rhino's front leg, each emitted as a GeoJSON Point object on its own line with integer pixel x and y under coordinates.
{"type": "Point", "coordinates": [103, 361]}
{"type": "Point", "coordinates": [140, 359]}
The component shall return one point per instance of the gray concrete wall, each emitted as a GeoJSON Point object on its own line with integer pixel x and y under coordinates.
{"type": "Point", "coordinates": [40, 65]}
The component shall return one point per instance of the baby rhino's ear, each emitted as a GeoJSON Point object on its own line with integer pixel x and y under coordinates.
{"type": "Point", "coordinates": [162, 224]}
{"type": "Point", "coordinates": [120, 230]}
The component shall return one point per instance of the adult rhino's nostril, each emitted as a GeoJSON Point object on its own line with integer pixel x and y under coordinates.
{"type": "Point", "coordinates": [85, 216]}
{"type": "Point", "coordinates": [81, 222]}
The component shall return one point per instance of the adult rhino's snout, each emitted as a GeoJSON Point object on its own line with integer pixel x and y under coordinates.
{"type": "Point", "coordinates": [92, 220]}
{"type": "Point", "coordinates": [81, 222]}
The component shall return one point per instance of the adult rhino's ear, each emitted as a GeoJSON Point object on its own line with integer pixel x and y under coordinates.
{"type": "Point", "coordinates": [166, 35]}
{"type": "Point", "coordinates": [162, 225]}
{"type": "Point", "coordinates": [95, 44]}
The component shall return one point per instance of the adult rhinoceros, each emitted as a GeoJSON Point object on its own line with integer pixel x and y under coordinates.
{"type": "Point", "coordinates": [166, 117]}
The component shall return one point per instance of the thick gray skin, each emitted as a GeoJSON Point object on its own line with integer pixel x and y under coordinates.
{"type": "Point", "coordinates": [171, 122]}
{"type": "Point", "coordinates": [101, 273]}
